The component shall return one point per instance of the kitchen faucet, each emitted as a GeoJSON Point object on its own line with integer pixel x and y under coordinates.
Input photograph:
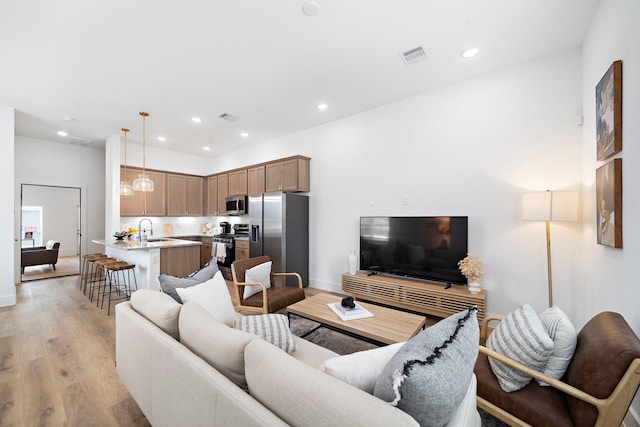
{"type": "Point", "coordinates": [140, 230]}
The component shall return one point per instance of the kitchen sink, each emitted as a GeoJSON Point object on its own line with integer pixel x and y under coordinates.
{"type": "Point", "coordinates": [157, 239]}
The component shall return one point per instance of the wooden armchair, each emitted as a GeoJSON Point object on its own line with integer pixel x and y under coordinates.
{"type": "Point", "coordinates": [269, 300]}
{"type": "Point", "coordinates": [597, 389]}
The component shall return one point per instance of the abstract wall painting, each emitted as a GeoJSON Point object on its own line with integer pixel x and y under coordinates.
{"type": "Point", "coordinates": [609, 112]}
{"type": "Point", "coordinates": [609, 203]}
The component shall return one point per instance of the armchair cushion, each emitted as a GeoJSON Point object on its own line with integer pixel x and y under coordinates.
{"type": "Point", "coordinates": [520, 336]}
{"type": "Point", "coordinates": [261, 273]}
{"type": "Point", "coordinates": [278, 297]}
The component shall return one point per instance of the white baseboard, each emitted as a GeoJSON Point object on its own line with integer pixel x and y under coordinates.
{"type": "Point", "coordinates": [630, 420]}
{"type": "Point", "coordinates": [7, 300]}
{"type": "Point", "coordinates": [326, 286]}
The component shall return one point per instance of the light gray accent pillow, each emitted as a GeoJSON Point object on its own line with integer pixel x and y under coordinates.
{"type": "Point", "coordinates": [429, 376]}
{"type": "Point", "coordinates": [206, 272]}
{"type": "Point", "coordinates": [565, 339]}
{"type": "Point", "coordinates": [520, 336]}
{"type": "Point", "coordinates": [169, 284]}
{"type": "Point", "coordinates": [273, 328]}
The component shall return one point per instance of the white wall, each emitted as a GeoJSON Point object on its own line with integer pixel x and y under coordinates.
{"type": "Point", "coordinates": [49, 163]}
{"type": "Point", "coordinates": [608, 280]}
{"type": "Point", "coordinates": [8, 211]}
{"type": "Point", "coordinates": [469, 149]}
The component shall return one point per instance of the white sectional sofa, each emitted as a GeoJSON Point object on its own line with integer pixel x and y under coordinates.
{"type": "Point", "coordinates": [184, 368]}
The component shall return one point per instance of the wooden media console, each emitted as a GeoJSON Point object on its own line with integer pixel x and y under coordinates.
{"type": "Point", "coordinates": [423, 297]}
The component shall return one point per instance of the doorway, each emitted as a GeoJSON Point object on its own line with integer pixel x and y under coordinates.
{"type": "Point", "coordinates": [50, 214]}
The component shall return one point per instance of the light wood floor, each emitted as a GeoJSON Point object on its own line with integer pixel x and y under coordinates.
{"type": "Point", "coordinates": [66, 266]}
{"type": "Point", "coordinates": [57, 363]}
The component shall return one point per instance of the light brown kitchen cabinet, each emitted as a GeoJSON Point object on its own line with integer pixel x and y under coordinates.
{"type": "Point", "coordinates": [184, 195]}
{"type": "Point", "coordinates": [179, 261]}
{"type": "Point", "coordinates": [287, 175]}
{"type": "Point", "coordinates": [212, 195]}
{"type": "Point", "coordinates": [255, 180]}
{"type": "Point", "coordinates": [149, 203]}
{"type": "Point", "coordinates": [238, 183]}
{"type": "Point", "coordinates": [223, 193]}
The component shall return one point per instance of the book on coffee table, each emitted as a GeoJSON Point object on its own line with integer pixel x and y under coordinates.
{"type": "Point", "coordinates": [345, 313]}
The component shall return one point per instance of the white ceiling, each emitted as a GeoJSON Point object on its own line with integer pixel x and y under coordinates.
{"type": "Point", "coordinates": [264, 61]}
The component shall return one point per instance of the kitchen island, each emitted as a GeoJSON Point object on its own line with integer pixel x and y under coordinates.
{"type": "Point", "coordinates": [157, 255]}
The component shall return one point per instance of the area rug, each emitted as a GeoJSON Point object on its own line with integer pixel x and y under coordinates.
{"type": "Point", "coordinates": [489, 420]}
{"type": "Point", "coordinates": [327, 338]}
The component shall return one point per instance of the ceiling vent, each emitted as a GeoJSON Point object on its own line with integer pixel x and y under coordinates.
{"type": "Point", "coordinates": [228, 117]}
{"type": "Point", "coordinates": [414, 55]}
{"type": "Point", "coordinates": [78, 140]}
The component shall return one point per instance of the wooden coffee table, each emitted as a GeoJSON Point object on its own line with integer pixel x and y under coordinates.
{"type": "Point", "coordinates": [387, 326]}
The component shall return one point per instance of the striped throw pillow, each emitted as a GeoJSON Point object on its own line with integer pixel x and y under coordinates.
{"type": "Point", "coordinates": [273, 328]}
{"type": "Point", "coordinates": [520, 336]}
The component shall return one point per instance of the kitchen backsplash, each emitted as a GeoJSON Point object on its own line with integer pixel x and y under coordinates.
{"type": "Point", "coordinates": [182, 226]}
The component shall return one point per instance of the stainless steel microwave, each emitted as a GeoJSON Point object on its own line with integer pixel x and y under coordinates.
{"type": "Point", "coordinates": [236, 205]}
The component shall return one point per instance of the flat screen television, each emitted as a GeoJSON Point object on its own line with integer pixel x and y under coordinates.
{"type": "Point", "coordinates": [425, 248]}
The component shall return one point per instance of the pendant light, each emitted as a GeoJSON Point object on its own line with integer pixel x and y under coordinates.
{"type": "Point", "coordinates": [143, 183]}
{"type": "Point", "coordinates": [125, 188]}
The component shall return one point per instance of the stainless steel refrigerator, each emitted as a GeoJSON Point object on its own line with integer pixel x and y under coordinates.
{"type": "Point", "coordinates": [280, 228]}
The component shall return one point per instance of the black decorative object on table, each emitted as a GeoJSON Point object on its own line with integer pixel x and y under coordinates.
{"type": "Point", "coordinates": [348, 302]}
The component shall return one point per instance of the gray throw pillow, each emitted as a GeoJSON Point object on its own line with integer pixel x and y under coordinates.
{"type": "Point", "coordinates": [206, 272]}
{"type": "Point", "coordinates": [429, 376]}
{"type": "Point", "coordinates": [169, 284]}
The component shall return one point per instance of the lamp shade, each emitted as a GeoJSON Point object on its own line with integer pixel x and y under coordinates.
{"type": "Point", "coordinates": [550, 206]}
{"type": "Point", "coordinates": [143, 183]}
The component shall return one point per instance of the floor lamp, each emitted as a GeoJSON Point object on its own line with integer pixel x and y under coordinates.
{"type": "Point", "coordinates": [550, 206]}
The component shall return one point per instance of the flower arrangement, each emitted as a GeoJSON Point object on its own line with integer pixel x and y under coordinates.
{"type": "Point", "coordinates": [471, 267]}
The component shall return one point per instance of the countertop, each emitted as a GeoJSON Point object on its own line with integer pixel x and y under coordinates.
{"type": "Point", "coordinates": [157, 242]}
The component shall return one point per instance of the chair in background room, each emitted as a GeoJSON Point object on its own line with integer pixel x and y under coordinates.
{"type": "Point", "coordinates": [263, 295]}
{"type": "Point", "coordinates": [40, 255]}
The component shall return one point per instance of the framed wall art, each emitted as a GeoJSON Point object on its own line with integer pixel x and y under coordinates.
{"type": "Point", "coordinates": [609, 112]}
{"type": "Point", "coordinates": [609, 203]}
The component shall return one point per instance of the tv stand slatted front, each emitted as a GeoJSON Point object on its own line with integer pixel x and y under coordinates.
{"type": "Point", "coordinates": [414, 295]}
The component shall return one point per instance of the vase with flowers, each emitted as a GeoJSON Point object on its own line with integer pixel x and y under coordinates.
{"type": "Point", "coordinates": [471, 268]}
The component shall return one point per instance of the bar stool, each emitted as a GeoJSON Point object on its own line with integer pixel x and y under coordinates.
{"type": "Point", "coordinates": [87, 267]}
{"type": "Point", "coordinates": [119, 284]}
{"type": "Point", "coordinates": [99, 277]}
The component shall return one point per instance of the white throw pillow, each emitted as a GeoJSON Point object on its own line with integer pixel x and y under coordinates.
{"type": "Point", "coordinates": [261, 273]}
{"type": "Point", "coordinates": [565, 339]}
{"type": "Point", "coordinates": [520, 336]}
{"type": "Point", "coordinates": [361, 369]}
{"type": "Point", "coordinates": [214, 296]}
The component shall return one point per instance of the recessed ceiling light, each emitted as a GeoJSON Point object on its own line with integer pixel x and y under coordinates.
{"type": "Point", "coordinates": [322, 107]}
{"type": "Point", "coordinates": [69, 118]}
{"type": "Point", "coordinates": [244, 135]}
{"type": "Point", "coordinates": [206, 148]}
{"type": "Point", "coordinates": [162, 138]}
{"type": "Point", "coordinates": [196, 120]}
{"type": "Point", "coordinates": [62, 133]}
{"type": "Point", "coordinates": [470, 53]}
